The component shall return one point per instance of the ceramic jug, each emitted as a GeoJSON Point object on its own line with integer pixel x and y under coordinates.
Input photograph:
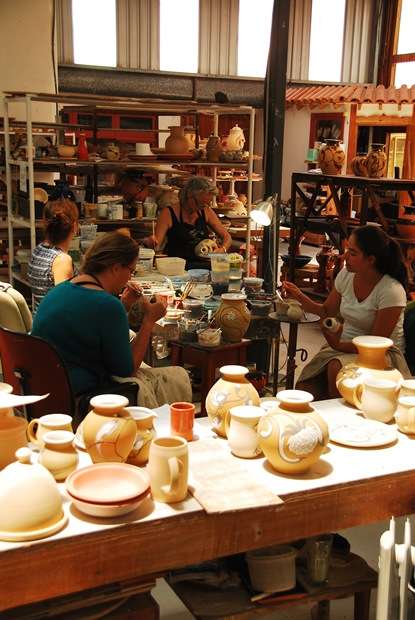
{"type": "Point", "coordinates": [146, 432]}
{"type": "Point", "coordinates": [38, 427]}
{"type": "Point", "coordinates": [235, 140]}
{"type": "Point", "coordinates": [359, 165]}
{"type": "Point", "coordinates": [12, 431]}
{"type": "Point", "coordinates": [168, 467]}
{"type": "Point", "coordinates": [231, 390]}
{"type": "Point", "coordinates": [370, 362]}
{"type": "Point", "coordinates": [176, 143]}
{"type": "Point", "coordinates": [376, 161]}
{"type": "Point", "coordinates": [331, 157]}
{"type": "Point", "coordinates": [242, 431]}
{"type": "Point", "coordinates": [213, 148]}
{"type": "Point", "coordinates": [405, 414]}
{"type": "Point", "coordinates": [58, 454]}
{"type": "Point", "coordinates": [292, 435]}
{"type": "Point", "coordinates": [233, 316]}
{"type": "Point", "coordinates": [109, 431]}
{"type": "Point", "coordinates": [379, 399]}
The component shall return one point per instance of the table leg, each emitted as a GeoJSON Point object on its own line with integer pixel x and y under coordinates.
{"type": "Point", "coordinates": [292, 349]}
{"type": "Point", "coordinates": [277, 341]}
{"type": "Point", "coordinates": [362, 605]}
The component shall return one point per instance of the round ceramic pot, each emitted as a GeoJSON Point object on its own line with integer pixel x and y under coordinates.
{"type": "Point", "coordinates": [242, 431]}
{"type": "Point", "coordinates": [231, 390]}
{"type": "Point", "coordinates": [376, 161]}
{"type": "Point", "coordinates": [359, 165]}
{"type": "Point", "coordinates": [12, 436]}
{"type": "Point", "coordinates": [371, 363]}
{"type": "Point", "coordinates": [331, 157]}
{"type": "Point", "coordinates": [213, 148]}
{"type": "Point", "coordinates": [109, 431]}
{"type": "Point", "coordinates": [58, 454]}
{"type": "Point", "coordinates": [293, 435]}
{"type": "Point", "coordinates": [146, 432]}
{"type": "Point", "coordinates": [233, 316]}
{"type": "Point", "coordinates": [177, 143]}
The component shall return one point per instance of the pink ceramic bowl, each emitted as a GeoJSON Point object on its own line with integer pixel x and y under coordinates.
{"type": "Point", "coordinates": [108, 483]}
{"type": "Point", "coordinates": [108, 510]}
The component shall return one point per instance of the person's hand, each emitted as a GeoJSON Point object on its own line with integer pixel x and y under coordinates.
{"type": "Point", "coordinates": [333, 338]}
{"type": "Point", "coordinates": [131, 294]}
{"type": "Point", "coordinates": [290, 289]}
{"type": "Point", "coordinates": [154, 310]}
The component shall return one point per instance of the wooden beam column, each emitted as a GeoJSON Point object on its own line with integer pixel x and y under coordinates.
{"type": "Point", "coordinates": [408, 168]}
{"type": "Point", "coordinates": [352, 141]}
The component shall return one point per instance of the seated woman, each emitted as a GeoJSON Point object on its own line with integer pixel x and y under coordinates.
{"type": "Point", "coordinates": [50, 262]}
{"type": "Point", "coordinates": [190, 221]}
{"type": "Point", "coordinates": [370, 296]}
{"type": "Point", "coordinates": [87, 323]}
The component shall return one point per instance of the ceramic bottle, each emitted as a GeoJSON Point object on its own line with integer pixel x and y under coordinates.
{"type": "Point", "coordinates": [331, 157]}
{"type": "Point", "coordinates": [82, 147]}
{"type": "Point", "coordinates": [292, 434]}
{"type": "Point", "coordinates": [233, 316]}
{"type": "Point", "coordinates": [58, 454]}
{"type": "Point", "coordinates": [146, 432]}
{"type": "Point", "coordinates": [109, 431]}
{"type": "Point", "coordinates": [177, 143]}
{"type": "Point", "coordinates": [230, 390]}
{"type": "Point", "coordinates": [371, 363]}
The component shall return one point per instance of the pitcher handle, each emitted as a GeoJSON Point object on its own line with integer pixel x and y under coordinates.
{"type": "Point", "coordinates": [31, 431]}
{"type": "Point", "coordinates": [358, 396]}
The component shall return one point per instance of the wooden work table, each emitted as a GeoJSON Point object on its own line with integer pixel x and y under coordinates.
{"type": "Point", "coordinates": [345, 488]}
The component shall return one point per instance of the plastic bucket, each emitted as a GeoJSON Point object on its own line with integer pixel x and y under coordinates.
{"type": "Point", "coordinates": [272, 569]}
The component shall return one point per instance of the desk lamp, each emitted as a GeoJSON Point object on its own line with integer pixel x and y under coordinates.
{"type": "Point", "coordinates": [266, 213]}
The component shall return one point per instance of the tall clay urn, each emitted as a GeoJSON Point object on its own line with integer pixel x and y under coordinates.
{"type": "Point", "coordinates": [376, 161]}
{"type": "Point", "coordinates": [233, 316]}
{"type": "Point", "coordinates": [331, 157]}
{"type": "Point", "coordinates": [359, 165]}
{"type": "Point", "coordinates": [177, 143]}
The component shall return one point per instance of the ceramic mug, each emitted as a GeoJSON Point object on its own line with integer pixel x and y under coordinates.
{"type": "Point", "coordinates": [50, 422]}
{"type": "Point", "coordinates": [407, 388]}
{"type": "Point", "coordinates": [379, 399]}
{"type": "Point", "coordinates": [182, 417]}
{"type": "Point", "coordinates": [405, 414]}
{"type": "Point", "coordinates": [242, 432]}
{"type": "Point", "coordinates": [168, 467]}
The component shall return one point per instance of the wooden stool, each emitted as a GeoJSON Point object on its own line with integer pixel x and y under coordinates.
{"type": "Point", "coordinates": [208, 360]}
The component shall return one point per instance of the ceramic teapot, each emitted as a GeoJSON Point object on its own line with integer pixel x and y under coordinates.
{"type": "Point", "coordinates": [292, 434]}
{"type": "Point", "coordinates": [235, 140]}
{"type": "Point", "coordinates": [146, 432]}
{"type": "Point", "coordinates": [112, 151]}
{"type": "Point", "coordinates": [109, 431]}
{"type": "Point", "coordinates": [371, 362]}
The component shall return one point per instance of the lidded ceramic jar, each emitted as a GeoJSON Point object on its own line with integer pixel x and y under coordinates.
{"type": "Point", "coordinates": [233, 316]}
{"type": "Point", "coordinates": [34, 504]}
{"type": "Point", "coordinates": [58, 454]}
{"type": "Point", "coordinates": [370, 363]}
{"type": "Point", "coordinates": [177, 143]}
{"type": "Point", "coordinates": [235, 140]}
{"type": "Point", "coordinates": [230, 390]}
{"type": "Point", "coordinates": [146, 432]}
{"type": "Point", "coordinates": [109, 431]}
{"type": "Point", "coordinates": [331, 157]}
{"type": "Point", "coordinates": [376, 161]}
{"type": "Point", "coordinates": [292, 434]}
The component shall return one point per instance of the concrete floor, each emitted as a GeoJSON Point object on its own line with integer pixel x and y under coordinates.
{"type": "Point", "coordinates": [364, 540]}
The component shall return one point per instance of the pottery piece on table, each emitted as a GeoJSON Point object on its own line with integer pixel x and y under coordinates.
{"type": "Point", "coordinates": [295, 310]}
{"type": "Point", "coordinates": [405, 414]}
{"type": "Point", "coordinates": [331, 157]}
{"type": "Point", "coordinates": [230, 390]}
{"type": "Point", "coordinates": [176, 143]}
{"type": "Point", "coordinates": [66, 150]}
{"type": "Point", "coordinates": [233, 316]}
{"type": "Point", "coordinates": [108, 483]}
{"type": "Point", "coordinates": [294, 435]}
{"type": "Point", "coordinates": [109, 431]}
{"type": "Point", "coordinates": [379, 398]}
{"type": "Point", "coordinates": [370, 362]}
{"type": "Point", "coordinates": [146, 432]}
{"type": "Point", "coordinates": [242, 430]}
{"type": "Point", "coordinates": [38, 427]}
{"type": "Point", "coordinates": [376, 161]}
{"type": "Point", "coordinates": [58, 454]}
{"type": "Point", "coordinates": [168, 467]}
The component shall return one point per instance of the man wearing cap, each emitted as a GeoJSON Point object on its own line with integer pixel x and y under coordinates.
{"type": "Point", "coordinates": [190, 221]}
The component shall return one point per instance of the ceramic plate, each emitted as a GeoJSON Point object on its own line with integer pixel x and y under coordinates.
{"type": "Point", "coordinates": [360, 433]}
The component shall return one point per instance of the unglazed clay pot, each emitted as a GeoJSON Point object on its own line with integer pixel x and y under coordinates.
{"type": "Point", "coordinates": [109, 431]}
{"type": "Point", "coordinates": [293, 435]}
{"type": "Point", "coordinates": [231, 390]}
{"type": "Point", "coordinates": [370, 363]}
{"type": "Point", "coordinates": [359, 165]}
{"type": "Point", "coordinates": [376, 161]}
{"type": "Point", "coordinates": [331, 157]}
{"type": "Point", "coordinates": [145, 434]}
{"type": "Point", "coordinates": [177, 143]}
{"type": "Point", "coordinates": [242, 431]}
{"type": "Point", "coordinates": [213, 148]}
{"type": "Point", "coordinates": [58, 454]}
{"type": "Point", "coordinates": [233, 316]}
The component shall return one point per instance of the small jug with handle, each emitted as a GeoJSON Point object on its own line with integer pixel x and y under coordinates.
{"type": "Point", "coordinates": [146, 432]}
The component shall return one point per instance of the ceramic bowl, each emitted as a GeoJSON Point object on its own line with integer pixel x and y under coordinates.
{"type": "Point", "coordinates": [65, 150]}
{"type": "Point", "coordinates": [170, 265]}
{"type": "Point", "coordinates": [107, 483]}
{"type": "Point", "coordinates": [300, 260]}
{"type": "Point", "coordinates": [108, 510]}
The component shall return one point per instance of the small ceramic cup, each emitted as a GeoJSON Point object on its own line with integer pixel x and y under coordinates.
{"type": "Point", "coordinates": [168, 467]}
{"type": "Point", "coordinates": [182, 417]}
{"type": "Point", "coordinates": [405, 414]}
{"type": "Point", "coordinates": [379, 399]}
{"type": "Point", "coordinates": [50, 422]}
{"type": "Point", "coordinates": [407, 388]}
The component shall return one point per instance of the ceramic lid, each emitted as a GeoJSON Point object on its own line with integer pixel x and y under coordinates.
{"type": "Point", "coordinates": [372, 342]}
{"type": "Point", "coordinates": [233, 370]}
{"type": "Point", "coordinates": [106, 402]}
{"type": "Point", "coordinates": [294, 396]}
{"type": "Point", "coordinates": [233, 296]}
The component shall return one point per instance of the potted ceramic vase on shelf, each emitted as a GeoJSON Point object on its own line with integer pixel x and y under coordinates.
{"type": "Point", "coordinates": [213, 148]}
{"type": "Point", "coordinates": [109, 431]}
{"type": "Point", "coordinates": [233, 316]}
{"type": "Point", "coordinates": [359, 165]}
{"type": "Point", "coordinates": [235, 140]}
{"type": "Point", "coordinates": [376, 161]}
{"type": "Point", "coordinates": [331, 157]}
{"type": "Point", "coordinates": [292, 434]}
{"type": "Point", "coordinates": [177, 143]}
{"type": "Point", "coordinates": [231, 390]}
{"type": "Point", "coordinates": [371, 363]}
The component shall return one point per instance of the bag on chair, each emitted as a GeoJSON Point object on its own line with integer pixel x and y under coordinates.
{"type": "Point", "coordinates": [14, 312]}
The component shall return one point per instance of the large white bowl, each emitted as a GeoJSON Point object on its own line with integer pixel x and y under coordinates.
{"type": "Point", "coordinates": [170, 265]}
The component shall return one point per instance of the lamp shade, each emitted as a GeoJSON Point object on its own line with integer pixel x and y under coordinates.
{"type": "Point", "coordinates": [262, 212]}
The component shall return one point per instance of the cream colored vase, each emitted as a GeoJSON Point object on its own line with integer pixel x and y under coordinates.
{"type": "Point", "coordinates": [379, 399]}
{"type": "Point", "coordinates": [292, 435]}
{"type": "Point", "coordinates": [109, 431]}
{"type": "Point", "coordinates": [371, 362]}
{"type": "Point", "coordinates": [331, 157]}
{"type": "Point", "coordinates": [38, 427]}
{"type": "Point", "coordinates": [145, 434]}
{"type": "Point", "coordinates": [58, 454]}
{"type": "Point", "coordinates": [168, 467]}
{"type": "Point", "coordinates": [231, 390]}
{"type": "Point", "coordinates": [233, 316]}
{"type": "Point", "coordinates": [242, 431]}
{"type": "Point", "coordinates": [405, 414]}
{"type": "Point", "coordinates": [235, 141]}
{"type": "Point", "coordinates": [177, 143]}
{"type": "Point", "coordinates": [12, 431]}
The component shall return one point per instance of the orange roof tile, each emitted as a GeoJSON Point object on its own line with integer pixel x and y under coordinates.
{"type": "Point", "coordinates": [348, 93]}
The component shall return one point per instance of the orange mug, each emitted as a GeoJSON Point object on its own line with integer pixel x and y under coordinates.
{"type": "Point", "coordinates": [182, 416]}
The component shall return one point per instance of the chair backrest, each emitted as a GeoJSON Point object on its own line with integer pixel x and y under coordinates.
{"type": "Point", "coordinates": [14, 312]}
{"type": "Point", "coordinates": [33, 366]}
{"type": "Point", "coordinates": [409, 333]}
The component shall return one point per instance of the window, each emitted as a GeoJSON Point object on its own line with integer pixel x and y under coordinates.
{"type": "Point", "coordinates": [94, 32]}
{"type": "Point", "coordinates": [403, 61]}
{"type": "Point", "coordinates": [253, 37]}
{"type": "Point", "coordinates": [179, 35]}
{"type": "Point", "coordinates": [326, 40]}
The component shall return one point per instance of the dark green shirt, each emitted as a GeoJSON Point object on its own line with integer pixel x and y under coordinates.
{"type": "Point", "coordinates": [89, 328]}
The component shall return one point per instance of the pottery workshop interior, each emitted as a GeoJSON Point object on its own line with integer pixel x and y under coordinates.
{"type": "Point", "coordinates": [207, 309]}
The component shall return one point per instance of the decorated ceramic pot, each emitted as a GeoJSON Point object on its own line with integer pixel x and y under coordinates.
{"type": "Point", "coordinates": [242, 431]}
{"type": "Point", "coordinates": [109, 431]}
{"type": "Point", "coordinates": [235, 140]}
{"type": "Point", "coordinates": [370, 363]}
{"type": "Point", "coordinates": [231, 390]}
{"type": "Point", "coordinates": [145, 434]}
{"type": "Point", "coordinates": [213, 148]}
{"type": "Point", "coordinates": [331, 157]}
{"type": "Point", "coordinates": [359, 165]}
{"type": "Point", "coordinates": [58, 454]}
{"type": "Point", "coordinates": [292, 434]}
{"type": "Point", "coordinates": [376, 161]}
{"type": "Point", "coordinates": [177, 143]}
{"type": "Point", "coordinates": [233, 316]}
